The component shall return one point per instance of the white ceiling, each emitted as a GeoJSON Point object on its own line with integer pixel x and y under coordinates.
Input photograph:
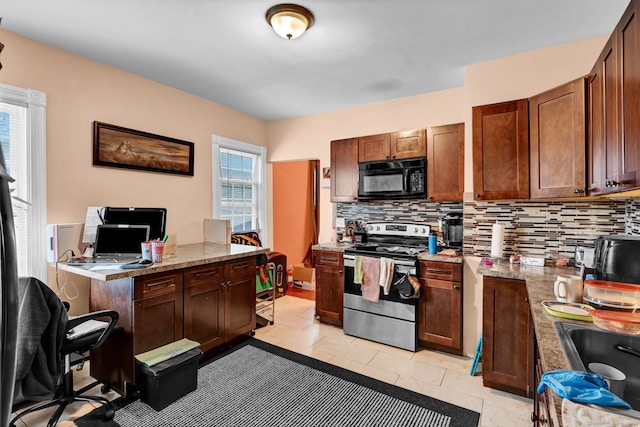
{"type": "Point", "coordinates": [357, 52]}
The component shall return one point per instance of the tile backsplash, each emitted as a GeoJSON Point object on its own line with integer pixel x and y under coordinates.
{"type": "Point", "coordinates": [532, 228]}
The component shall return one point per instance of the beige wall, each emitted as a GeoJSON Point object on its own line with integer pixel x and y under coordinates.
{"type": "Point", "coordinates": [80, 91]}
{"type": "Point", "coordinates": [309, 137]}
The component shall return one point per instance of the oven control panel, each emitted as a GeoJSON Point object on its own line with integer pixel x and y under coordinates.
{"type": "Point", "coordinates": [398, 229]}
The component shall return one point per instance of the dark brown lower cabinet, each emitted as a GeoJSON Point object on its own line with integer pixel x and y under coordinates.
{"type": "Point", "coordinates": [507, 329]}
{"type": "Point", "coordinates": [440, 306]}
{"type": "Point", "coordinates": [329, 286]}
{"type": "Point", "coordinates": [212, 304]}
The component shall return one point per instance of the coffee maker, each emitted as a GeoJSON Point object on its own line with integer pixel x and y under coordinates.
{"type": "Point", "coordinates": [451, 225]}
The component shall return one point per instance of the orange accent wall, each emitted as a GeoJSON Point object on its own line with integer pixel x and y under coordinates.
{"type": "Point", "coordinates": [293, 230]}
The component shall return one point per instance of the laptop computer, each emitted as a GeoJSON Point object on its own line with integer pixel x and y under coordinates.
{"type": "Point", "coordinates": [116, 244]}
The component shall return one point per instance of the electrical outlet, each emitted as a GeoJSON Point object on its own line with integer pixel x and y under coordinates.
{"type": "Point", "coordinates": [340, 223]}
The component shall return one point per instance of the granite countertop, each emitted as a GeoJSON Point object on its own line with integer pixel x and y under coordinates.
{"type": "Point", "coordinates": [190, 255]}
{"type": "Point", "coordinates": [331, 246]}
{"type": "Point", "coordinates": [426, 256]}
{"type": "Point", "coordinates": [539, 282]}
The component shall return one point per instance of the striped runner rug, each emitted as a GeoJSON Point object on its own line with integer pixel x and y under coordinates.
{"type": "Point", "coordinates": [258, 384]}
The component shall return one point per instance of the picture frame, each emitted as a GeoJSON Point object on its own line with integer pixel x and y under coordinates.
{"type": "Point", "coordinates": [120, 147]}
{"type": "Point", "coordinates": [326, 178]}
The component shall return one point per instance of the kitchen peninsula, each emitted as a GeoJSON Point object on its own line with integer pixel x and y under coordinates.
{"type": "Point", "coordinates": [205, 293]}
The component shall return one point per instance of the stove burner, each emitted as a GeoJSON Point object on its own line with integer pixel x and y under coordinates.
{"type": "Point", "coordinates": [401, 249]}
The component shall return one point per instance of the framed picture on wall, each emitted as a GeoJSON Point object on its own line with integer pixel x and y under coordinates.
{"type": "Point", "coordinates": [326, 178]}
{"type": "Point", "coordinates": [120, 147]}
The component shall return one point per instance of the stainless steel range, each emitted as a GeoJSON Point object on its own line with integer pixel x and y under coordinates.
{"type": "Point", "coordinates": [393, 318]}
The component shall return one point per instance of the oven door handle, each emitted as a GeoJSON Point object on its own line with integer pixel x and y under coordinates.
{"type": "Point", "coordinates": [402, 266]}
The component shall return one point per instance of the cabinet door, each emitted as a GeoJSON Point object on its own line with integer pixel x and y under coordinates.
{"type": "Point", "coordinates": [445, 162]}
{"type": "Point", "coordinates": [558, 142]}
{"type": "Point", "coordinates": [440, 313]}
{"type": "Point", "coordinates": [603, 143]}
{"type": "Point", "coordinates": [240, 305]}
{"type": "Point", "coordinates": [595, 131]}
{"type": "Point", "coordinates": [628, 39]}
{"type": "Point", "coordinates": [501, 151]}
{"type": "Point", "coordinates": [507, 355]}
{"type": "Point", "coordinates": [329, 287]}
{"type": "Point", "coordinates": [374, 147]}
{"type": "Point", "coordinates": [344, 170]}
{"type": "Point", "coordinates": [204, 314]}
{"type": "Point", "coordinates": [408, 144]}
{"type": "Point", "coordinates": [157, 321]}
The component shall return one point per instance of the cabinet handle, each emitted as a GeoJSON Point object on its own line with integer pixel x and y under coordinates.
{"type": "Point", "coordinates": [429, 271]}
{"type": "Point", "coordinates": [202, 274]}
{"type": "Point", "coordinates": [477, 195]}
{"type": "Point", "coordinates": [324, 259]}
{"type": "Point", "coordinates": [340, 271]}
{"type": "Point", "coordinates": [167, 282]}
{"type": "Point", "coordinates": [240, 266]}
{"type": "Point", "coordinates": [526, 299]}
{"type": "Point", "coordinates": [456, 287]}
{"type": "Point", "coordinates": [579, 190]}
{"type": "Point", "coordinates": [612, 183]}
{"type": "Point", "coordinates": [386, 157]}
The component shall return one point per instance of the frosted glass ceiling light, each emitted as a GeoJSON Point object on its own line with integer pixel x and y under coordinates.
{"type": "Point", "coordinates": [289, 20]}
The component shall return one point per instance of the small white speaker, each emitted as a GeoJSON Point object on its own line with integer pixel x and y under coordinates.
{"type": "Point", "coordinates": [62, 238]}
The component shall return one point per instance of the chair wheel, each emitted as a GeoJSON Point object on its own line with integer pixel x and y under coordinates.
{"type": "Point", "coordinates": [109, 414]}
{"type": "Point", "coordinates": [105, 388]}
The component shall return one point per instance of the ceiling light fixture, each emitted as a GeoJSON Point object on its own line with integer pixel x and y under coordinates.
{"type": "Point", "coordinates": [289, 20]}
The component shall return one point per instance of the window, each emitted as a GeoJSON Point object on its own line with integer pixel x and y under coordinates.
{"type": "Point", "coordinates": [239, 185]}
{"type": "Point", "coordinates": [22, 136]}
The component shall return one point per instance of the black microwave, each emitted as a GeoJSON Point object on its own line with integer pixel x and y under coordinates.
{"type": "Point", "coordinates": [393, 179]}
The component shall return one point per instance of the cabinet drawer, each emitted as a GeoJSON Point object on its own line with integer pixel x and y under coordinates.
{"type": "Point", "coordinates": [157, 284]}
{"type": "Point", "coordinates": [239, 267]}
{"type": "Point", "coordinates": [333, 259]}
{"type": "Point", "coordinates": [204, 274]}
{"type": "Point", "coordinates": [441, 270]}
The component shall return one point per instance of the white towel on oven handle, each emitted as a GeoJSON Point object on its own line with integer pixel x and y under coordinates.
{"type": "Point", "coordinates": [387, 268]}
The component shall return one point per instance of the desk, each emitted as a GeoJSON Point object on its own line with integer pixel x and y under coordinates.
{"type": "Point", "coordinates": [205, 293]}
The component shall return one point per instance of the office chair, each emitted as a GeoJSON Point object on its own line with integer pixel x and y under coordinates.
{"type": "Point", "coordinates": [75, 341]}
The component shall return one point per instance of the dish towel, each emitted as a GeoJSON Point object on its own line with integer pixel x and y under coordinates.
{"type": "Point", "coordinates": [371, 279]}
{"type": "Point", "coordinates": [582, 387]}
{"type": "Point", "coordinates": [387, 268]}
{"type": "Point", "coordinates": [357, 270]}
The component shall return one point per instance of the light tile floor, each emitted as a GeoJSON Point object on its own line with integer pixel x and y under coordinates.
{"type": "Point", "coordinates": [436, 374]}
{"type": "Point", "coordinates": [439, 375]}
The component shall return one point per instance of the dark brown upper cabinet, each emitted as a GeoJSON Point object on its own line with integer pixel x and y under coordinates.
{"type": "Point", "coordinates": [344, 170]}
{"type": "Point", "coordinates": [389, 146]}
{"type": "Point", "coordinates": [557, 138]}
{"type": "Point", "coordinates": [445, 162]}
{"type": "Point", "coordinates": [613, 110]}
{"type": "Point", "coordinates": [374, 147]}
{"type": "Point", "coordinates": [501, 151]}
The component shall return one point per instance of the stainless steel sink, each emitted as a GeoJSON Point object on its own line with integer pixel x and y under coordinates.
{"type": "Point", "coordinates": [585, 344]}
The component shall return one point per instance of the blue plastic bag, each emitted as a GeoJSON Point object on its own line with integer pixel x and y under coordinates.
{"type": "Point", "coordinates": [582, 387]}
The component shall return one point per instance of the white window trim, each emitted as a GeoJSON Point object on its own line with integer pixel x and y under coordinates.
{"type": "Point", "coordinates": [36, 103]}
{"type": "Point", "coordinates": [222, 142]}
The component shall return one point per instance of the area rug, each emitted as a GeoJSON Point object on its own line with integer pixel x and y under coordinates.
{"type": "Point", "coordinates": [258, 384]}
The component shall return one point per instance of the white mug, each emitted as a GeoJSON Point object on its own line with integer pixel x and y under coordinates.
{"type": "Point", "coordinates": [614, 378]}
{"type": "Point", "coordinates": [568, 288]}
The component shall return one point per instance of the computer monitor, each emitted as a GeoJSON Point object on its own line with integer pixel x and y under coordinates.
{"type": "Point", "coordinates": [155, 218]}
